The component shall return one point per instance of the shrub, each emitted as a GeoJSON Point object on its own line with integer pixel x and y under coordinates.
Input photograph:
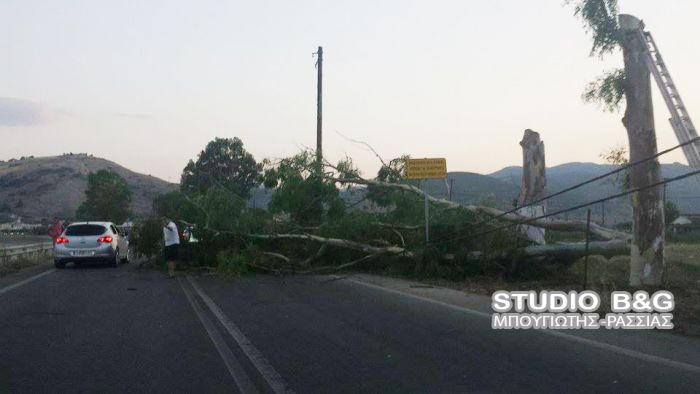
{"type": "Point", "coordinates": [232, 262]}
{"type": "Point", "coordinates": [146, 238]}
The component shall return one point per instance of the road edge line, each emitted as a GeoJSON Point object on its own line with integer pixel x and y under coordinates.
{"type": "Point", "coordinates": [235, 369]}
{"type": "Point", "coordinates": [590, 342]}
{"type": "Point", "coordinates": [266, 370]}
{"type": "Point", "coordinates": [25, 281]}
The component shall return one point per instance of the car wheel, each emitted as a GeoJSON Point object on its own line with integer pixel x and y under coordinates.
{"type": "Point", "coordinates": [115, 260]}
{"type": "Point", "coordinates": [59, 264]}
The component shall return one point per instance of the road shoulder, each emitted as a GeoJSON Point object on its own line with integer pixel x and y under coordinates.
{"type": "Point", "coordinates": [25, 273]}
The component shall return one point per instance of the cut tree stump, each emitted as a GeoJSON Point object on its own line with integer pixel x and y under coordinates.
{"type": "Point", "coordinates": [532, 185]}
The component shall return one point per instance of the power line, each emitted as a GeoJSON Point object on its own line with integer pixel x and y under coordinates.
{"type": "Point", "coordinates": [529, 220]}
{"type": "Point", "coordinates": [594, 179]}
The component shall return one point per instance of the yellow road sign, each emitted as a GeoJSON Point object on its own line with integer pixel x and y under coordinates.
{"type": "Point", "coordinates": [426, 169]}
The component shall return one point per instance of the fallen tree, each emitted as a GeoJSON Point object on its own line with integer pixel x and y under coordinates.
{"type": "Point", "coordinates": [578, 249]}
{"type": "Point", "coordinates": [563, 251]}
{"type": "Point", "coordinates": [307, 223]}
{"type": "Point", "coordinates": [512, 217]}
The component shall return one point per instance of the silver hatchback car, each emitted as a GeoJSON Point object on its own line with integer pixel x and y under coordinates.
{"type": "Point", "coordinates": [91, 241]}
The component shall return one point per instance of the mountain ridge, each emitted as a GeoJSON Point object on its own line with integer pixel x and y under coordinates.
{"type": "Point", "coordinates": [43, 187]}
{"type": "Point", "coordinates": [39, 188]}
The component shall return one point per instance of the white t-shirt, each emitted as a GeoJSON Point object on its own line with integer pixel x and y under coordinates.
{"type": "Point", "coordinates": [170, 234]}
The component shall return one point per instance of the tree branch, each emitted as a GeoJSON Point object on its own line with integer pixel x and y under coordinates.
{"type": "Point", "coordinates": [557, 225]}
{"type": "Point", "coordinates": [341, 243]}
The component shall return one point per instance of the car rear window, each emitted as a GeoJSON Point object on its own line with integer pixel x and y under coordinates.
{"type": "Point", "coordinates": [86, 229]}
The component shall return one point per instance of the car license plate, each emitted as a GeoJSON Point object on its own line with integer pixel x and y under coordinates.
{"type": "Point", "coordinates": [82, 253]}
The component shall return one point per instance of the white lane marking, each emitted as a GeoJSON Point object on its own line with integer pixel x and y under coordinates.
{"type": "Point", "coordinates": [559, 334]}
{"type": "Point", "coordinates": [24, 282]}
{"type": "Point", "coordinates": [268, 372]}
{"type": "Point", "coordinates": [235, 369]}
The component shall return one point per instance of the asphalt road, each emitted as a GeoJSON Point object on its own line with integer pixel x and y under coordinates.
{"type": "Point", "coordinates": [95, 329]}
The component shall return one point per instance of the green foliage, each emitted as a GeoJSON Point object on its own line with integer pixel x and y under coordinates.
{"type": "Point", "coordinates": [607, 90]}
{"type": "Point", "coordinates": [356, 226]}
{"type": "Point", "coordinates": [392, 172]}
{"type": "Point", "coordinates": [146, 237]}
{"type": "Point", "coordinates": [256, 221]}
{"type": "Point", "coordinates": [618, 156]}
{"type": "Point", "coordinates": [232, 262]}
{"type": "Point", "coordinates": [307, 200]}
{"type": "Point", "coordinates": [223, 162]}
{"type": "Point", "coordinates": [671, 212]}
{"type": "Point", "coordinates": [107, 198]}
{"type": "Point", "coordinates": [176, 206]}
{"type": "Point", "coordinates": [307, 197]}
{"type": "Point", "coordinates": [600, 20]}
{"type": "Point", "coordinates": [222, 209]}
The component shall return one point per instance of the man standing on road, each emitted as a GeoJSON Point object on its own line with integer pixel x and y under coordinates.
{"type": "Point", "coordinates": [171, 238]}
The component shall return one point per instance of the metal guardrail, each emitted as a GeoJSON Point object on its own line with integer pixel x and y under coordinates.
{"type": "Point", "coordinates": [17, 252]}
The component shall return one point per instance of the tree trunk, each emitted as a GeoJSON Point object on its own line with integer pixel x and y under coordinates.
{"type": "Point", "coordinates": [647, 249]}
{"type": "Point", "coordinates": [337, 242]}
{"type": "Point", "coordinates": [562, 252]}
{"type": "Point", "coordinates": [578, 249]}
{"type": "Point", "coordinates": [533, 183]}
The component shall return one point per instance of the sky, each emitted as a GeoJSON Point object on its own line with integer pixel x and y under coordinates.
{"type": "Point", "coordinates": [147, 84]}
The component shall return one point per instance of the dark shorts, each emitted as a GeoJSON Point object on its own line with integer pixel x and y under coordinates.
{"type": "Point", "coordinates": [170, 252]}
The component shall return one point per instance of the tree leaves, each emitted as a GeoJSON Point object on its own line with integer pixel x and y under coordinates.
{"type": "Point", "coordinates": [600, 20]}
{"type": "Point", "coordinates": [607, 90]}
{"type": "Point", "coordinates": [107, 198]}
{"type": "Point", "coordinates": [301, 193]}
{"type": "Point", "coordinates": [223, 162]}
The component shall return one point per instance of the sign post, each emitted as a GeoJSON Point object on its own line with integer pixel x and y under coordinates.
{"type": "Point", "coordinates": [424, 169]}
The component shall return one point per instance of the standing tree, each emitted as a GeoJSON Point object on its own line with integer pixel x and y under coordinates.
{"type": "Point", "coordinates": [225, 163]}
{"type": "Point", "coordinates": [107, 198]}
{"type": "Point", "coordinates": [633, 84]}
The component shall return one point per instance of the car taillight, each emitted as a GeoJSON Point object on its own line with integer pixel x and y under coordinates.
{"type": "Point", "coordinates": [61, 240]}
{"type": "Point", "coordinates": [106, 240]}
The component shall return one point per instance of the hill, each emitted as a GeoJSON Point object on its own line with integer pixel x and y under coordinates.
{"type": "Point", "coordinates": [473, 188]}
{"type": "Point", "coordinates": [684, 193]}
{"type": "Point", "coordinates": [44, 187]}
{"type": "Point", "coordinates": [40, 188]}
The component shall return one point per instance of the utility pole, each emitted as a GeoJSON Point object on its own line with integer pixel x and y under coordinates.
{"type": "Point", "coordinates": [319, 102]}
{"type": "Point", "coordinates": [452, 183]}
{"type": "Point", "coordinates": [603, 207]}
